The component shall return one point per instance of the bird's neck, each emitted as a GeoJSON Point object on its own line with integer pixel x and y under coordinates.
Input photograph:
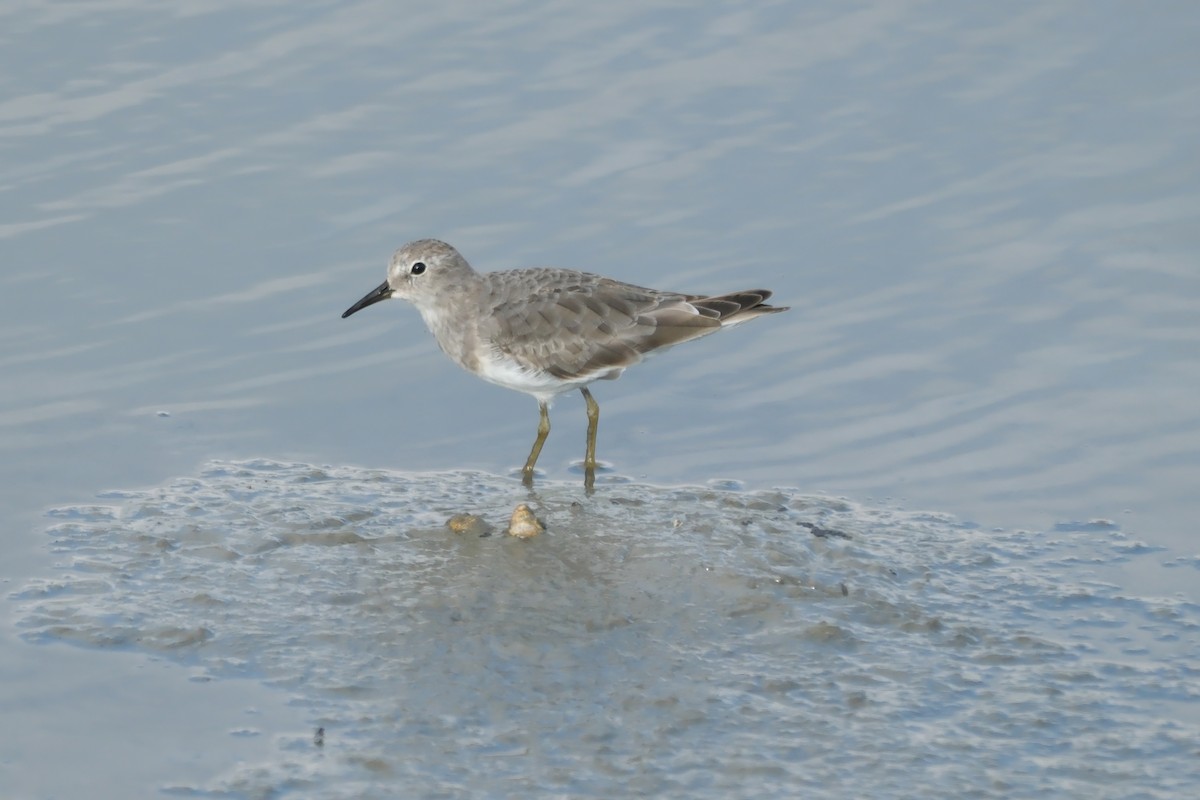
{"type": "Point", "coordinates": [454, 326]}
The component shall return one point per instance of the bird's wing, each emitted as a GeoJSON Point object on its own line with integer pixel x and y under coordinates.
{"type": "Point", "coordinates": [574, 325]}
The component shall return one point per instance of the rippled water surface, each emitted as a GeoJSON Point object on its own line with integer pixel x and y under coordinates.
{"type": "Point", "coordinates": [986, 221]}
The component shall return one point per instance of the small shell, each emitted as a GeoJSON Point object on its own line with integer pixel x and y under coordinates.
{"type": "Point", "coordinates": [524, 524]}
{"type": "Point", "coordinates": [469, 524]}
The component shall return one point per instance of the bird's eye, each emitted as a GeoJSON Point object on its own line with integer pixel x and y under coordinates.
{"type": "Point", "coordinates": [417, 268]}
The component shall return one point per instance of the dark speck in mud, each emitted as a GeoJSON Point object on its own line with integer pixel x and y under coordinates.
{"type": "Point", "coordinates": [824, 533]}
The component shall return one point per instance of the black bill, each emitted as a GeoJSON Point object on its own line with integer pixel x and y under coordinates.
{"type": "Point", "coordinates": [380, 292]}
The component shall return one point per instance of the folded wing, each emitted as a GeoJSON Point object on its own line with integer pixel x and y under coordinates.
{"type": "Point", "coordinates": [578, 326]}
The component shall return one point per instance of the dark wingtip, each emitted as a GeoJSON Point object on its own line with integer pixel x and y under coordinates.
{"type": "Point", "coordinates": [745, 304]}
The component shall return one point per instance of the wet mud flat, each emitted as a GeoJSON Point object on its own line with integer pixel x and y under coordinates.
{"type": "Point", "coordinates": [699, 641]}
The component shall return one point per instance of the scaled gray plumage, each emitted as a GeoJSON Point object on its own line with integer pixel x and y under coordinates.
{"type": "Point", "coordinates": [548, 331]}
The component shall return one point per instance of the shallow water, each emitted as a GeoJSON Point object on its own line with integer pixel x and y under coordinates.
{"type": "Point", "coordinates": [985, 219]}
{"type": "Point", "coordinates": [686, 641]}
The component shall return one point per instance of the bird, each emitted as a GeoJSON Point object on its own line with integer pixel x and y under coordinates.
{"type": "Point", "coordinates": [547, 331]}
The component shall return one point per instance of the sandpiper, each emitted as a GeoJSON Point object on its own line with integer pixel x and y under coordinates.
{"type": "Point", "coordinates": [548, 331]}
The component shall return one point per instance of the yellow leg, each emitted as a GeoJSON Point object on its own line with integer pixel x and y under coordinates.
{"type": "Point", "coordinates": [593, 415]}
{"type": "Point", "coordinates": [543, 431]}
